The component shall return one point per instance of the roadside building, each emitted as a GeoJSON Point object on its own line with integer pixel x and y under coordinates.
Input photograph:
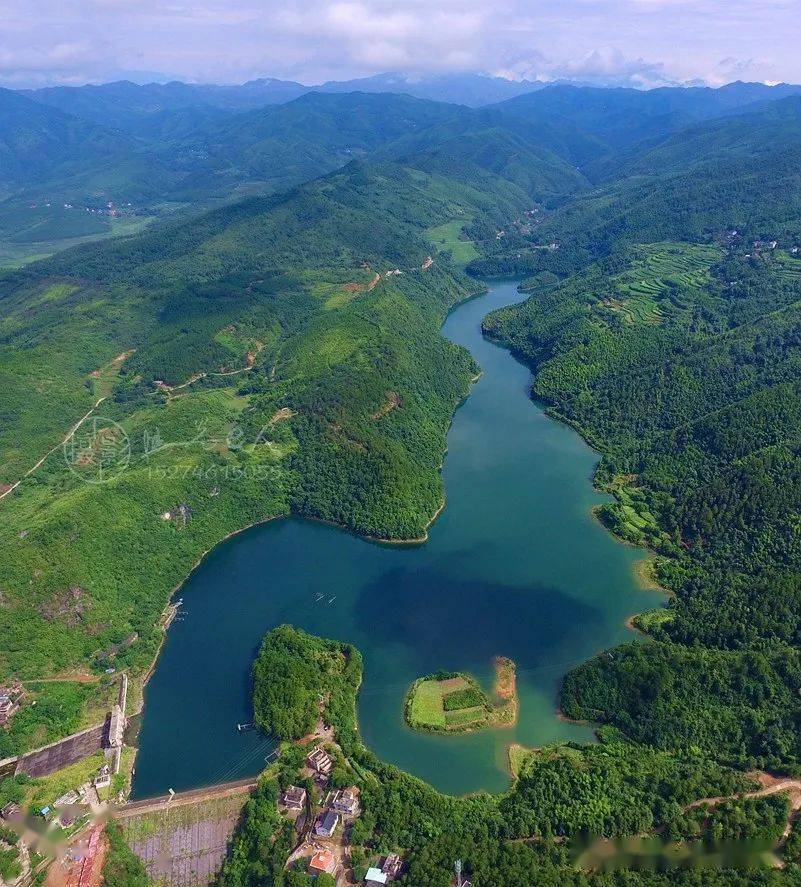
{"type": "Point", "coordinates": [67, 818]}
{"type": "Point", "coordinates": [294, 797]}
{"type": "Point", "coordinates": [323, 861]}
{"type": "Point", "coordinates": [327, 824]}
{"type": "Point", "coordinates": [320, 761]}
{"type": "Point", "coordinates": [375, 878]}
{"type": "Point", "coordinates": [392, 865]}
{"type": "Point", "coordinates": [7, 709]}
{"type": "Point", "coordinates": [344, 801]}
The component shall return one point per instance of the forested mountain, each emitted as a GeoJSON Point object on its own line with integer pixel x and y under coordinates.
{"type": "Point", "coordinates": [38, 144]}
{"type": "Point", "coordinates": [279, 321]}
{"type": "Point", "coordinates": [131, 107]}
{"type": "Point", "coordinates": [620, 118]}
{"type": "Point", "coordinates": [473, 90]}
{"type": "Point", "coordinates": [739, 173]}
{"type": "Point", "coordinates": [188, 157]}
{"type": "Point", "coordinates": [540, 160]}
{"type": "Point", "coordinates": [157, 150]}
{"type": "Point", "coordinates": [291, 341]}
{"type": "Point", "coordinates": [745, 135]}
{"type": "Point", "coordinates": [310, 136]}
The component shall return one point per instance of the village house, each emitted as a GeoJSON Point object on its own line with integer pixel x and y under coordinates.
{"type": "Point", "coordinates": [10, 699]}
{"type": "Point", "coordinates": [103, 778]}
{"type": "Point", "coordinates": [7, 709]}
{"type": "Point", "coordinates": [392, 865]}
{"type": "Point", "coordinates": [327, 824]}
{"type": "Point", "coordinates": [345, 801]}
{"type": "Point", "coordinates": [320, 761]}
{"type": "Point", "coordinates": [293, 798]}
{"type": "Point", "coordinates": [375, 877]}
{"type": "Point", "coordinates": [323, 861]}
{"type": "Point", "coordinates": [67, 818]}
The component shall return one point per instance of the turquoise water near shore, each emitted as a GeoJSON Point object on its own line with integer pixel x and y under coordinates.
{"type": "Point", "coordinates": [515, 565]}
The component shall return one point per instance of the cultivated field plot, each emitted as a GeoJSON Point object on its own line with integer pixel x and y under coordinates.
{"type": "Point", "coordinates": [456, 703]}
{"type": "Point", "coordinates": [788, 267]}
{"type": "Point", "coordinates": [185, 844]}
{"type": "Point", "coordinates": [449, 238]}
{"type": "Point", "coordinates": [662, 277]}
{"type": "Point", "coordinates": [447, 704]}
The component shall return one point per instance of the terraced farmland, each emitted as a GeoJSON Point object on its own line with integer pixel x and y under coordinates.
{"type": "Point", "coordinates": [663, 277]}
{"type": "Point", "coordinates": [788, 267]}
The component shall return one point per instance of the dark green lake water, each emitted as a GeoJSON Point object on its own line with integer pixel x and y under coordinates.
{"type": "Point", "coordinates": [515, 566]}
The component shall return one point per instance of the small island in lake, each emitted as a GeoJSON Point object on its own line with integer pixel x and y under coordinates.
{"type": "Point", "coordinates": [454, 702]}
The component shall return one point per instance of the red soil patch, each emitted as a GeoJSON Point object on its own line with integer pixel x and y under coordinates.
{"type": "Point", "coordinates": [449, 685]}
{"type": "Point", "coordinates": [281, 415]}
{"type": "Point", "coordinates": [393, 401]}
{"type": "Point", "coordinates": [505, 678]}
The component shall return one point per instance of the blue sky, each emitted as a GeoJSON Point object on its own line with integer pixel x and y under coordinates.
{"type": "Point", "coordinates": [628, 42]}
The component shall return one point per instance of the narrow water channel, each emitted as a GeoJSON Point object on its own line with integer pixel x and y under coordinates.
{"type": "Point", "coordinates": [515, 566]}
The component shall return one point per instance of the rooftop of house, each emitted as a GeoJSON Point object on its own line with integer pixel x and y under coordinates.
{"type": "Point", "coordinates": [327, 823]}
{"type": "Point", "coordinates": [346, 799]}
{"type": "Point", "coordinates": [391, 864]}
{"type": "Point", "coordinates": [323, 861]}
{"type": "Point", "coordinates": [375, 876]}
{"type": "Point", "coordinates": [319, 754]}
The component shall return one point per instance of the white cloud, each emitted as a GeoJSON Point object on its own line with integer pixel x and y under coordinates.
{"type": "Point", "coordinates": [636, 42]}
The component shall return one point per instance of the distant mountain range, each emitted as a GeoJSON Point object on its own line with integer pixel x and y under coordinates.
{"type": "Point", "coordinates": [158, 149]}
{"type": "Point", "coordinates": [116, 103]}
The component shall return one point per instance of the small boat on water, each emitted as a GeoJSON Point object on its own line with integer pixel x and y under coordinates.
{"type": "Point", "coordinates": [243, 727]}
{"type": "Point", "coordinates": [332, 599]}
{"type": "Point", "coordinates": [319, 596]}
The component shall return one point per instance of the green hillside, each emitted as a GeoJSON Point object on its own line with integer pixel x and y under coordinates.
{"type": "Point", "coordinates": [739, 174]}
{"type": "Point", "coordinates": [247, 360]}
{"type": "Point", "coordinates": [682, 369]}
{"type": "Point", "coordinates": [282, 354]}
{"type": "Point", "coordinates": [192, 156]}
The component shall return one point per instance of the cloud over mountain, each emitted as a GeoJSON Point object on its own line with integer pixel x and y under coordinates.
{"type": "Point", "coordinates": [626, 42]}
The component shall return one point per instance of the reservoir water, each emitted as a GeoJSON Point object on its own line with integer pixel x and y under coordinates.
{"type": "Point", "coordinates": [515, 566]}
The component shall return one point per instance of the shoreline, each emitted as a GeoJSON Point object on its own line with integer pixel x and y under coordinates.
{"type": "Point", "coordinates": [170, 609]}
{"type": "Point", "coordinates": [500, 714]}
{"type": "Point", "coordinates": [642, 567]}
